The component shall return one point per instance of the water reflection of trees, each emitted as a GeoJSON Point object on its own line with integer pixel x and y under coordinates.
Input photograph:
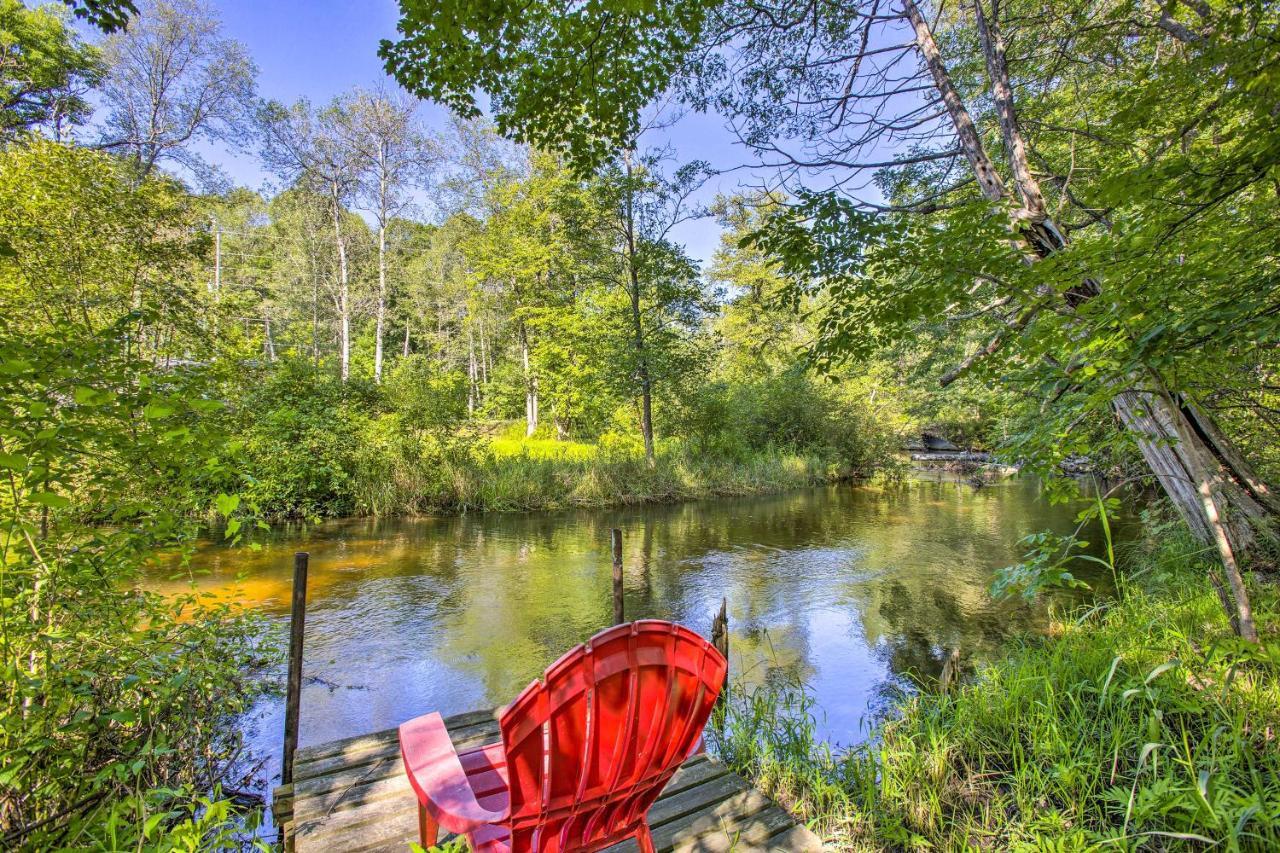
{"type": "Point", "coordinates": [446, 610]}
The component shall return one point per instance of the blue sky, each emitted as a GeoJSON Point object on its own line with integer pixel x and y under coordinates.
{"type": "Point", "coordinates": [320, 49]}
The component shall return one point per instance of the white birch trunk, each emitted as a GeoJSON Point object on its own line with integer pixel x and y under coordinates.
{"type": "Point", "coordinates": [344, 290]}
{"type": "Point", "coordinates": [381, 318]}
{"type": "Point", "coordinates": [530, 387]}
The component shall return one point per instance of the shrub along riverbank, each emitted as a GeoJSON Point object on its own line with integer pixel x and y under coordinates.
{"type": "Point", "coordinates": [485, 479]}
{"type": "Point", "coordinates": [1141, 723]}
{"type": "Point", "coordinates": [318, 447]}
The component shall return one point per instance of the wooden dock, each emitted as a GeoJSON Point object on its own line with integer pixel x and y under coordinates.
{"type": "Point", "coordinates": [352, 795]}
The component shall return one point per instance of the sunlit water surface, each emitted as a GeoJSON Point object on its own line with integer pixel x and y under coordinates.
{"type": "Point", "coordinates": [855, 591]}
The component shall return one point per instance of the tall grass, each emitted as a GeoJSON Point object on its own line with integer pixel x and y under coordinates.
{"type": "Point", "coordinates": [507, 474]}
{"type": "Point", "coordinates": [1143, 724]}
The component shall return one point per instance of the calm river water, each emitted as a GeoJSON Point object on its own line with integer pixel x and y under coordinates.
{"type": "Point", "coordinates": [850, 589]}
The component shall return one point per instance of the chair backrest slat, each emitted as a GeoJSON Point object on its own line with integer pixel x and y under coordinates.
{"type": "Point", "coordinates": [590, 746]}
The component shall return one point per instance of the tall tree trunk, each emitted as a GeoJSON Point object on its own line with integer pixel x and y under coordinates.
{"type": "Point", "coordinates": [313, 267]}
{"type": "Point", "coordinates": [268, 344]}
{"type": "Point", "coordinates": [315, 322]}
{"type": "Point", "coordinates": [1203, 475]}
{"type": "Point", "coordinates": [471, 371]}
{"type": "Point", "coordinates": [1002, 93]}
{"type": "Point", "coordinates": [983, 169]}
{"type": "Point", "coordinates": [643, 376]}
{"type": "Point", "coordinates": [484, 355]}
{"type": "Point", "coordinates": [344, 290]}
{"type": "Point", "coordinates": [380, 320]}
{"type": "Point", "coordinates": [405, 351]}
{"type": "Point", "coordinates": [530, 385]}
{"type": "Point", "coordinates": [642, 371]}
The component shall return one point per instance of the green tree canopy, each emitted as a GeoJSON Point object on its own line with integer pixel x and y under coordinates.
{"type": "Point", "coordinates": [45, 70]}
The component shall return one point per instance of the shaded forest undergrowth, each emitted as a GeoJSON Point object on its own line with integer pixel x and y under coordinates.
{"type": "Point", "coordinates": [1139, 723]}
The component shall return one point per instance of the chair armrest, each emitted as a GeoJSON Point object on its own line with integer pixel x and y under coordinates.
{"type": "Point", "coordinates": [438, 779]}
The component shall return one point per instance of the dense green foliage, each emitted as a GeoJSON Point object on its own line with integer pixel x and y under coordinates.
{"type": "Point", "coordinates": [117, 701]}
{"type": "Point", "coordinates": [320, 447]}
{"type": "Point", "coordinates": [1140, 723]}
{"type": "Point", "coordinates": [45, 70]}
{"type": "Point", "coordinates": [1072, 208]}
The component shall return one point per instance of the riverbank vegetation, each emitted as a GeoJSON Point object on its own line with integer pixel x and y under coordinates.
{"type": "Point", "coordinates": [1063, 217]}
{"type": "Point", "coordinates": [1085, 190]}
{"type": "Point", "coordinates": [547, 353]}
{"type": "Point", "coordinates": [1136, 723]}
{"type": "Point", "coordinates": [333, 448]}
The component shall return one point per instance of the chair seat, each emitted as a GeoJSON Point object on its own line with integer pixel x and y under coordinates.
{"type": "Point", "coordinates": [486, 769]}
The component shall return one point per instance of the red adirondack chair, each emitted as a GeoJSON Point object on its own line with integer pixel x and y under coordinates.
{"type": "Point", "coordinates": [585, 752]}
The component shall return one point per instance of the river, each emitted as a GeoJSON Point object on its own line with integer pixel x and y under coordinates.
{"type": "Point", "coordinates": [853, 590]}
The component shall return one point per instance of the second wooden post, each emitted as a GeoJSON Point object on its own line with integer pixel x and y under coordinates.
{"type": "Point", "coordinates": [615, 540]}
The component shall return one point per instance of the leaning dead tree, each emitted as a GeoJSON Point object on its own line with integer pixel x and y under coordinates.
{"type": "Point", "coordinates": [1219, 496]}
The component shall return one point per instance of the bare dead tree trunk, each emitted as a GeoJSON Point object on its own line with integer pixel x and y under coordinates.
{"type": "Point", "coordinates": [1216, 508]}
{"type": "Point", "coordinates": [1002, 92]}
{"type": "Point", "coordinates": [984, 171]}
{"type": "Point", "coordinates": [1213, 490]}
{"type": "Point", "coordinates": [1240, 471]}
{"type": "Point", "coordinates": [405, 352]}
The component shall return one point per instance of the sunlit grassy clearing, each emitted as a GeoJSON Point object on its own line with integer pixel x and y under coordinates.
{"type": "Point", "coordinates": [543, 448]}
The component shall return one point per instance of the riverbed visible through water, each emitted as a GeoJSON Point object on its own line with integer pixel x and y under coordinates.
{"type": "Point", "coordinates": [854, 590]}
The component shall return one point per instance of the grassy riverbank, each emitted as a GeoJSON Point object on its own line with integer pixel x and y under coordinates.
{"type": "Point", "coordinates": [1142, 724]}
{"type": "Point", "coordinates": [313, 447]}
{"type": "Point", "coordinates": [538, 475]}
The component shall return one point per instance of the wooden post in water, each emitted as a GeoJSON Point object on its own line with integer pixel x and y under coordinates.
{"type": "Point", "coordinates": [293, 689]}
{"type": "Point", "coordinates": [720, 639]}
{"type": "Point", "coordinates": [615, 539]}
{"type": "Point", "coordinates": [720, 630]}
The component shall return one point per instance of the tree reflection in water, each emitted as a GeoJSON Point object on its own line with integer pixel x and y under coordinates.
{"type": "Point", "coordinates": [856, 591]}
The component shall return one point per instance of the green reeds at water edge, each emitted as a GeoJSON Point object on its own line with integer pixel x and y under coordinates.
{"type": "Point", "coordinates": [521, 482]}
{"type": "Point", "coordinates": [1140, 724]}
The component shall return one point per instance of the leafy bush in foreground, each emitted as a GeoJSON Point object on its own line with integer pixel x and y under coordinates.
{"type": "Point", "coordinates": [115, 705]}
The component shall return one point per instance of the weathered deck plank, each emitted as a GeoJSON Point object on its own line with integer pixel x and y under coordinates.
{"type": "Point", "coordinates": [352, 795]}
